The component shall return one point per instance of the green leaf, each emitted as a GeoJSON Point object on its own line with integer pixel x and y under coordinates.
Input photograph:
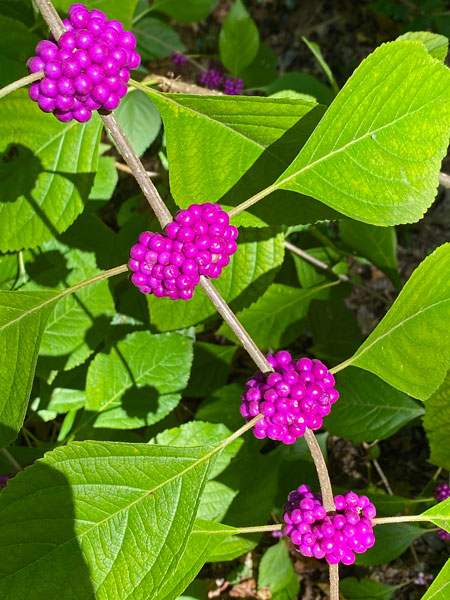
{"type": "Point", "coordinates": [47, 170]}
{"type": "Point", "coordinates": [366, 589]}
{"type": "Point", "coordinates": [139, 119]}
{"type": "Point", "coordinates": [260, 252]}
{"type": "Point", "coordinates": [105, 182]}
{"type": "Point", "coordinates": [230, 548]}
{"type": "Point", "coordinates": [377, 244]}
{"type": "Point", "coordinates": [194, 10]}
{"type": "Point", "coordinates": [23, 316]}
{"type": "Point", "coordinates": [238, 39]}
{"type": "Point", "coordinates": [196, 433]}
{"type": "Point", "coordinates": [440, 588]}
{"type": "Point", "coordinates": [262, 70]}
{"type": "Point", "coordinates": [137, 527]}
{"type": "Point", "coordinates": [277, 318]}
{"type": "Point", "coordinates": [140, 381]}
{"type": "Point", "coordinates": [228, 148]}
{"type": "Point", "coordinates": [304, 83]}
{"type": "Point", "coordinates": [437, 45]}
{"type": "Point", "coordinates": [391, 541]}
{"type": "Point", "coordinates": [215, 501]}
{"type": "Point", "coordinates": [209, 369]}
{"type": "Point", "coordinates": [398, 97]}
{"type": "Point", "coordinates": [215, 408]}
{"type": "Point", "coordinates": [404, 349]}
{"type": "Point", "coordinates": [114, 9]}
{"type": "Point", "coordinates": [437, 424]}
{"type": "Point", "coordinates": [156, 39]}
{"type": "Point", "coordinates": [315, 49]}
{"type": "Point", "coordinates": [440, 512]}
{"type": "Point", "coordinates": [368, 408]}
{"type": "Point", "coordinates": [277, 573]}
{"type": "Point", "coordinates": [17, 44]}
{"type": "Point", "coordinates": [63, 400]}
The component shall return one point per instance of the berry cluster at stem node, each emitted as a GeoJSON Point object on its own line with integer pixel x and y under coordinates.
{"type": "Point", "coordinates": [297, 395]}
{"type": "Point", "coordinates": [199, 241]}
{"type": "Point", "coordinates": [441, 493]}
{"type": "Point", "coordinates": [335, 537]}
{"type": "Point", "coordinates": [88, 68]}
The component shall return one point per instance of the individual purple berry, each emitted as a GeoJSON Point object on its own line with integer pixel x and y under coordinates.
{"type": "Point", "coordinates": [35, 64]}
{"type": "Point", "coordinates": [47, 50]}
{"type": "Point", "coordinates": [46, 104]}
{"type": "Point", "coordinates": [289, 407]}
{"type": "Point", "coordinates": [333, 537]}
{"type": "Point", "coordinates": [79, 17]}
{"type": "Point", "coordinates": [34, 92]}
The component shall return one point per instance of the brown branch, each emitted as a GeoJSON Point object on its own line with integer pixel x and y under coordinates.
{"type": "Point", "coordinates": [167, 84]}
{"type": "Point", "coordinates": [12, 87]}
{"type": "Point", "coordinates": [126, 169]}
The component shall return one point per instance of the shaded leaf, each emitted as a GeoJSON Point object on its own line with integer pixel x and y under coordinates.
{"type": "Point", "coordinates": [276, 572]}
{"type": "Point", "coordinates": [366, 589]}
{"type": "Point", "coordinates": [209, 369]}
{"type": "Point", "coordinates": [139, 119]}
{"type": "Point", "coordinates": [368, 408]}
{"type": "Point", "coordinates": [17, 44]}
{"type": "Point", "coordinates": [195, 10]}
{"type": "Point", "coordinates": [57, 164]}
{"type": "Point", "coordinates": [391, 541]}
{"type": "Point", "coordinates": [238, 39]}
{"type": "Point", "coordinates": [156, 39]}
{"type": "Point", "coordinates": [140, 381]}
{"type": "Point", "coordinates": [23, 316]}
{"type": "Point", "coordinates": [437, 424]}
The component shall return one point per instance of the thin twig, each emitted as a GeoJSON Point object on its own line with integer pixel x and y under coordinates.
{"type": "Point", "coordinates": [177, 86]}
{"type": "Point", "coordinates": [126, 169]}
{"type": "Point", "coordinates": [334, 581]}
{"type": "Point", "coordinates": [15, 85]}
{"type": "Point", "coordinates": [444, 180]}
{"type": "Point", "coordinates": [12, 461]}
{"type": "Point", "coordinates": [322, 265]}
{"type": "Point", "coordinates": [322, 471]}
{"type": "Point", "coordinates": [51, 17]}
{"type": "Point", "coordinates": [407, 519]}
{"type": "Point", "coordinates": [380, 471]}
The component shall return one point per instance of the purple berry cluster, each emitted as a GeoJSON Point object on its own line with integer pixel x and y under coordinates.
{"type": "Point", "coordinates": [334, 537]}
{"type": "Point", "coordinates": [297, 395]}
{"type": "Point", "coordinates": [441, 493]}
{"type": "Point", "coordinates": [178, 59]}
{"type": "Point", "coordinates": [86, 69]}
{"type": "Point", "coordinates": [233, 86]}
{"type": "Point", "coordinates": [198, 242]}
{"type": "Point", "coordinates": [212, 78]}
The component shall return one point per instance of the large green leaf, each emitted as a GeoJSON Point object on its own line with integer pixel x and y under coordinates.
{"type": "Point", "coordinates": [368, 408]}
{"type": "Point", "coordinates": [276, 318]}
{"type": "Point", "coordinates": [126, 541]}
{"type": "Point", "coordinates": [238, 39]}
{"type": "Point", "coordinates": [23, 316]}
{"type": "Point", "coordinates": [277, 573]}
{"type": "Point", "coordinates": [156, 39]}
{"type": "Point", "coordinates": [304, 83]}
{"type": "Point", "coordinates": [228, 148]}
{"type": "Point", "coordinates": [437, 425]}
{"type": "Point", "coordinates": [368, 158]}
{"type": "Point", "coordinates": [114, 9]}
{"type": "Point", "coordinates": [260, 252]}
{"type": "Point", "coordinates": [139, 119]}
{"type": "Point", "coordinates": [377, 244]}
{"type": "Point", "coordinates": [140, 381]}
{"type": "Point", "coordinates": [410, 348]}
{"type": "Point", "coordinates": [47, 170]}
{"type": "Point", "coordinates": [198, 433]}
{"type": "Point", "coordinates": [440, 588]}
{"type": "Point", "coordinates": [391, 541]}
{"type": "Point", "coordinates": [194, 10]}
{"type": "Point", "coordinates": [17, 44]}
{"type": "Point", "coordinates": [366, 589]}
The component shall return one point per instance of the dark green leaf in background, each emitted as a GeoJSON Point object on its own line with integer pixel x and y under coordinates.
{"type": "Point", "coordinates": [139, 119]}
{"type": "Point", "coordinates": [156, 39]}
{"type": "Point", "coordinates": [368, 408]}
{"type": "Point", "coordinates": [238, 39]}
{"type": "Point", "coordinates": [17, 44]}
{"type": "Point", "coordinates": [437, 45]}
{"type": "Point", "coordinates": [366, 589]}
{"type": "Point", "coordinates": [209, 369]}
{"type": "Point", "coordinates": [391, 541]}
{"type": "Point", "coordinates": [194, 10]}
{"type": "Point", "coordinates": [277, 573]}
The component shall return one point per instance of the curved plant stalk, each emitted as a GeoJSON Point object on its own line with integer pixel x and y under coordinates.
{"type": "Point", "coordinates": [15, 85]}
{"type": "Point", "coordinates": [162, 213]}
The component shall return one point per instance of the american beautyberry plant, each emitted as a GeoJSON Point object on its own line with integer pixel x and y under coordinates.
{"type": "Point", "coordinates": [130, 334]}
